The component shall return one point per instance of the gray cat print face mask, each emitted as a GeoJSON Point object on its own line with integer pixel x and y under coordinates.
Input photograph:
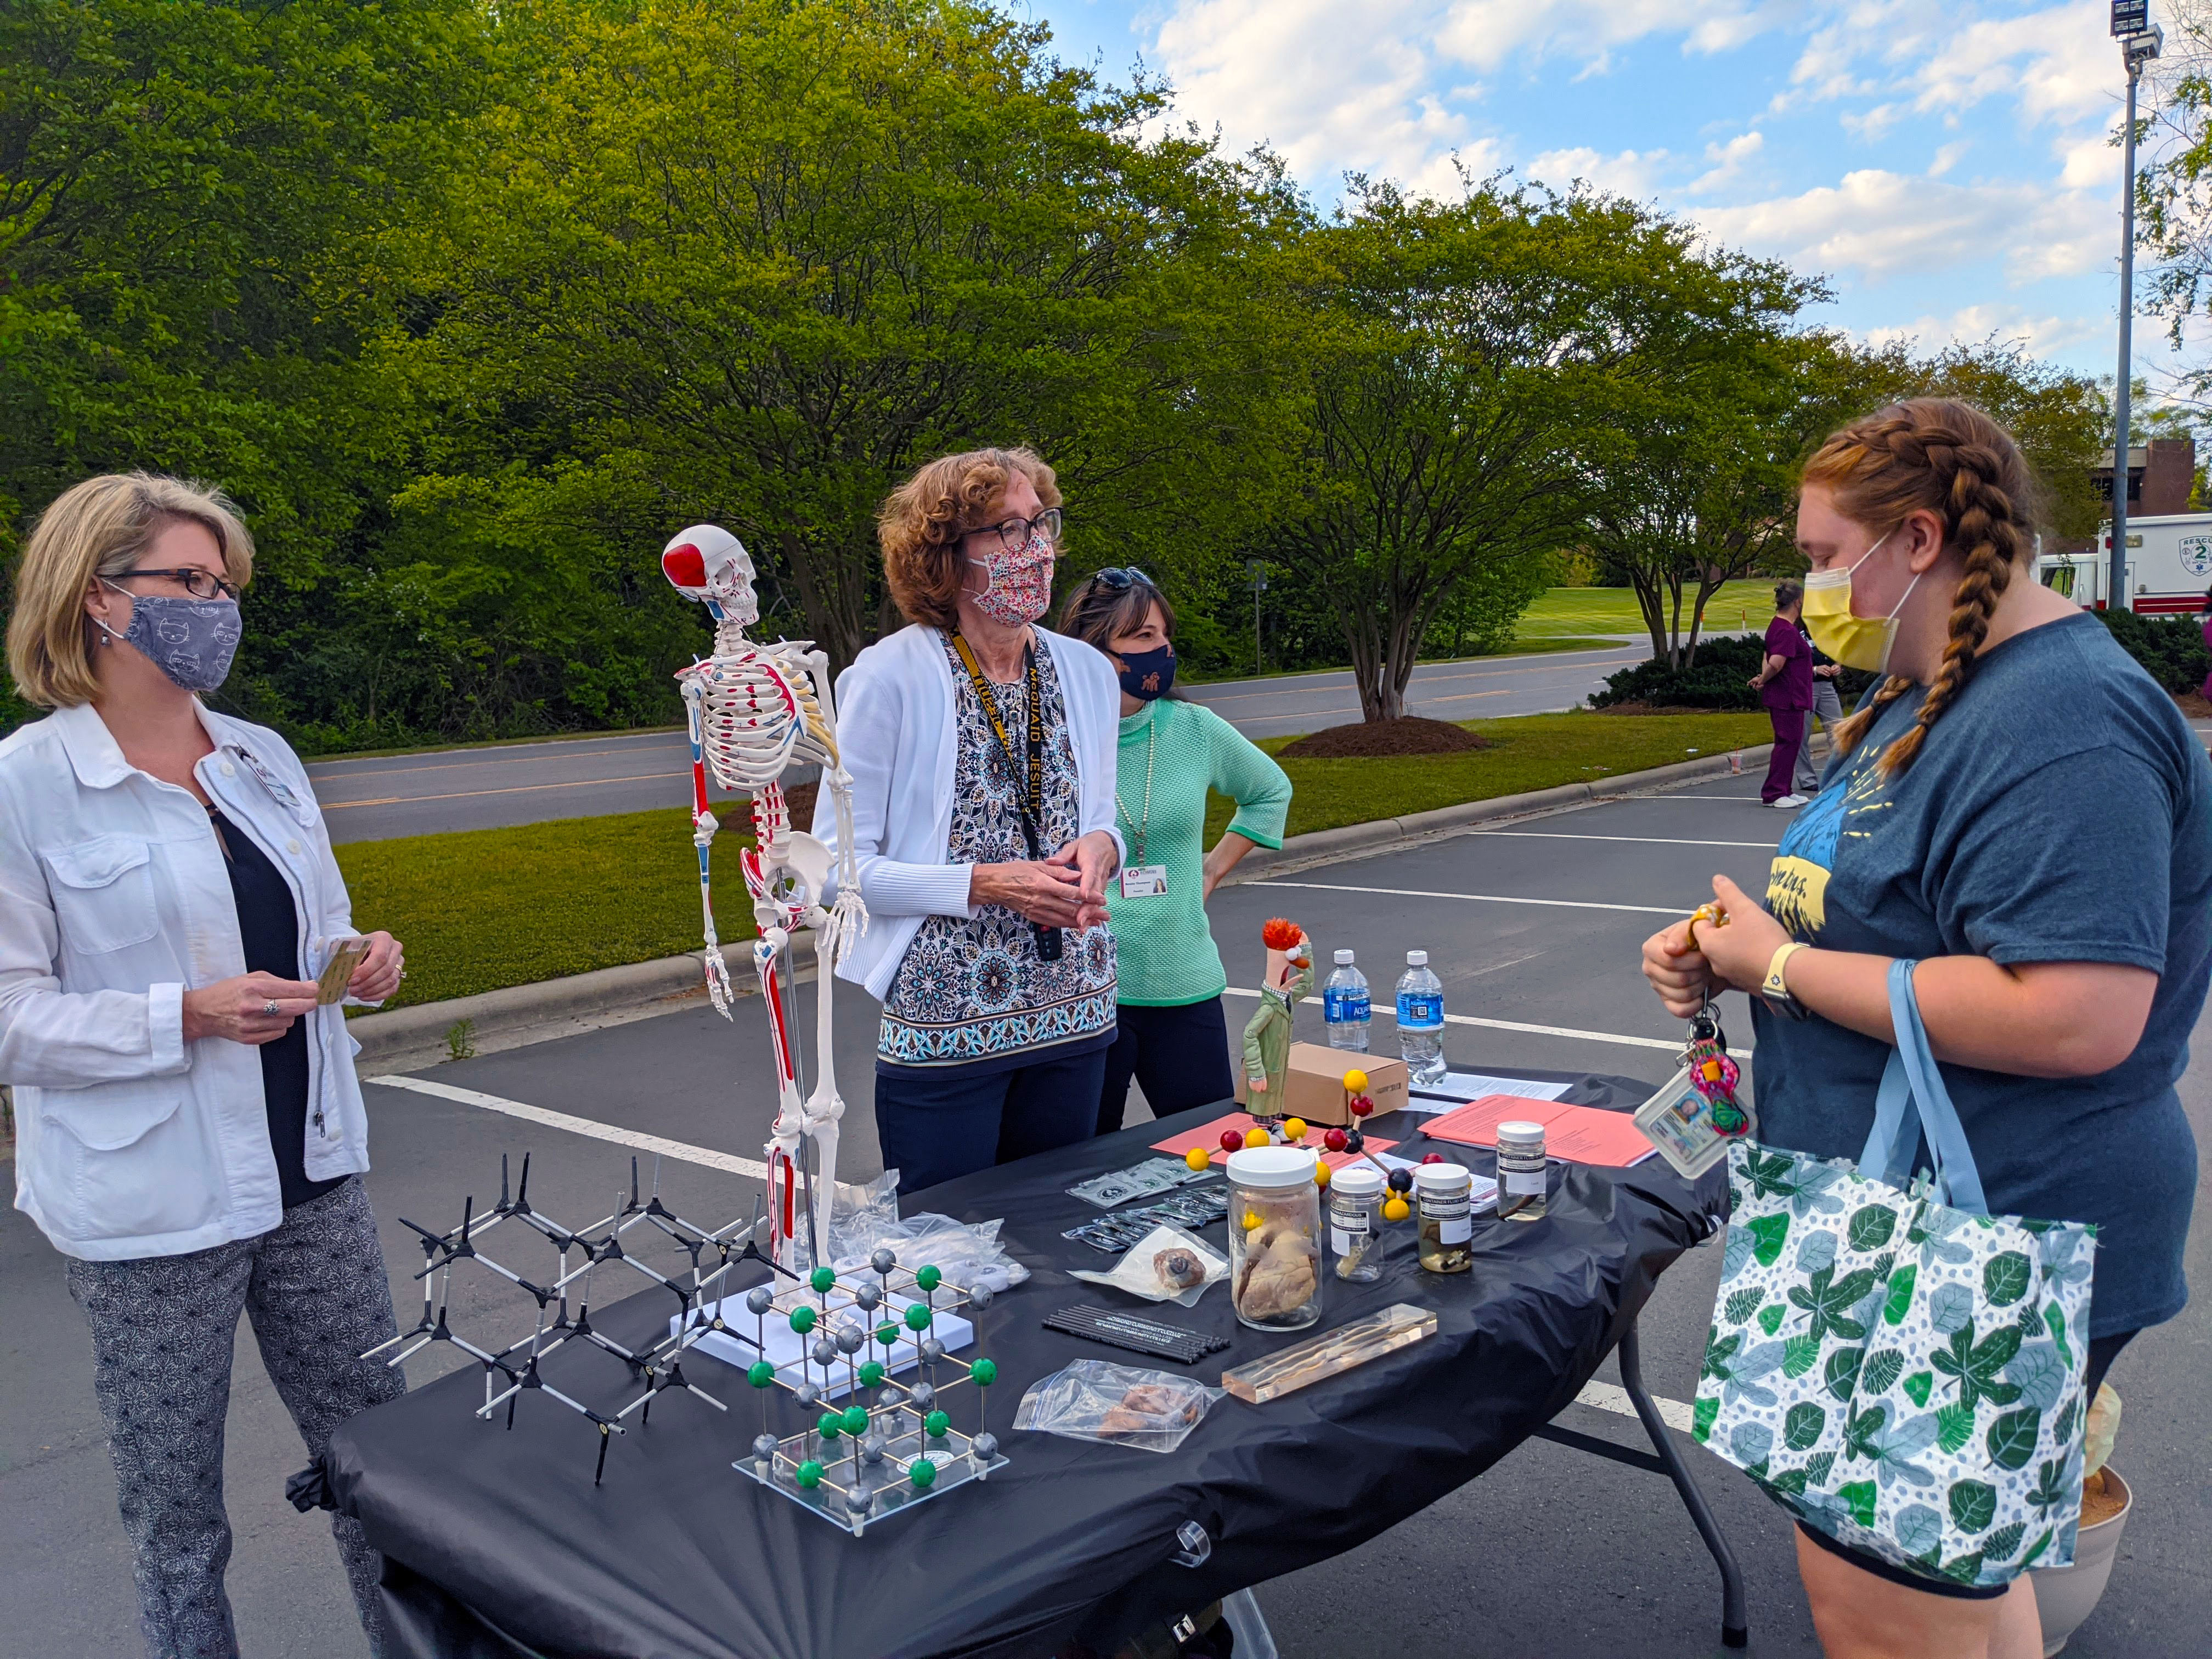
{"type": "Point", "coordinates": [191, 640]}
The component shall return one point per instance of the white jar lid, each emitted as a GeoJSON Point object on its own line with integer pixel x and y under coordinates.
{"type": "Point", "coordinates": [1442, 1178]}
{"type": "Point", "coordinates": [1357, 1181]}
{"type": "Point", "coordinates": [1272, 1166]}
{"type": "Point", "coordinates": [1521, 1134]}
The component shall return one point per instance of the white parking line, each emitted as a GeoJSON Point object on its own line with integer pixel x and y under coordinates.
{"type": "Point", "coordinates": [1382, 1011]}
{"type": "Point", "coordinates": [1674, 910]}
{"type": "Point", "coordinates": [1645, 841]}
{"type": "Point", "coordinates": [580, 1126]}
{"type": "Point", "coordinates": [1606, 1397]}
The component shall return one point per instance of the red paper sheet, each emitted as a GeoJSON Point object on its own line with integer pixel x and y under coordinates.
{"type": "Point", "coordinates": [1208, 1135]}
{"type": "Point", "coordinates": [1579, 1134]}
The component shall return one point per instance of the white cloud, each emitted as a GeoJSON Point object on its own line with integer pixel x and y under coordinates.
{"type": "Point", "coordinates": [2041, 335]}
{"type": "Point", "coordinates": [1876, 224]}
{"type": "Point", "coordinates": [1369, 85]}
{"type": "Point", "coordinates": [2057, 64]}
{"type": "Point", "coordinates": [1631, 173]}
{"type": "Point", "coordinates": [1948, 157]}
{"type": "Point", "coordinates": [1729, 161]}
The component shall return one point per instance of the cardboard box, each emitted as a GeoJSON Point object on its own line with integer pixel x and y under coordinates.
{"type": "Point", "coordinates": [1313, 1084]}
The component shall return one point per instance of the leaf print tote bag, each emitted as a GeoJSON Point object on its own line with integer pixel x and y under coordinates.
{"type": "Point", "coordinates": [1898, 1369]}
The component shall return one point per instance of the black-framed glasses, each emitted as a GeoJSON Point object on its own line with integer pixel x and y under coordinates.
{"type": "Point", "coordinates": [200, 584]}
{"type": "Point", "coordinates": [1121, 578]}
{"type": "Point", "coordinates": [1014, 534]}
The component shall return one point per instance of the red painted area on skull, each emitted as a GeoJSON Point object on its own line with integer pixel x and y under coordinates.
{"type": "Point", "coordinates": [684, 566]}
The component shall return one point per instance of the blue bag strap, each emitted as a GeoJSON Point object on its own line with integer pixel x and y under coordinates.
{"type": "Point", "coordinates": [1912, 1080]}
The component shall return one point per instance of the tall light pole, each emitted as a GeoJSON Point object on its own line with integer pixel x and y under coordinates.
{"type": "Point", "coordinates": [2140, 40]}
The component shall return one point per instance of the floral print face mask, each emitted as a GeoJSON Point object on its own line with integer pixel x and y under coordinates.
{"type": "Point", "coordinates": [1020, 586]}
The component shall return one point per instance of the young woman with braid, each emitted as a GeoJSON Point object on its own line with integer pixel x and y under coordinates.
{"type": "Point", "coordinates": [2019, 808]}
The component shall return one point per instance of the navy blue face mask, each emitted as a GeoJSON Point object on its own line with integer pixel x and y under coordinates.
{"type": "Point", "coordinates": [191, 640]}
{"type": "Point", "coordinates": [1148, 674]}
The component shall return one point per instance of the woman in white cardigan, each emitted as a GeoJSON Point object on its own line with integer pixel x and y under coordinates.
{"type": "Point", "coordinates": [981, 751]}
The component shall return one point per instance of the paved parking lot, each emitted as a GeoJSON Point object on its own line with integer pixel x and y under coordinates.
{"type": "Point", "coordinates": [1534, 926]}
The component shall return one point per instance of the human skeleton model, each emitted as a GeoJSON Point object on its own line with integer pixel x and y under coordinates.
{"type": "Point", "coordinates": [755, 711]}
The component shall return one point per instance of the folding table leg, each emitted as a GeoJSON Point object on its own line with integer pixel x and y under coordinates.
{"type": "Point", "coordinates": [1735, 1620]}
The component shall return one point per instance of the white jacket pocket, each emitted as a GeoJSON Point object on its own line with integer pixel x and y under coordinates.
{"type": "Point", "coordinates": [103, 894]}
{"type": "Point", "coordinates": [125, 1160]}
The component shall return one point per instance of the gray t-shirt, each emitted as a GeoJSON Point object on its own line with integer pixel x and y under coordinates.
{"type": "Point", "coordinates": [2061, 811]}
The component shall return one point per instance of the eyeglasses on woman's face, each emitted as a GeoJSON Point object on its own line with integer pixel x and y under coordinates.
{"type": "Point", "coordinates": [1014, 534]}
{"type": "Point", "coordinates": [199, 583]}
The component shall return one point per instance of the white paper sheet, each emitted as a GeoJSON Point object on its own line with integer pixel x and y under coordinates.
{"type": "Point", "coordinates": [1457, 1088]}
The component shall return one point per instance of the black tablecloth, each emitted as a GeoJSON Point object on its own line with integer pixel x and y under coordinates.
{"type": "Point", "coordinates": [499, 1544]}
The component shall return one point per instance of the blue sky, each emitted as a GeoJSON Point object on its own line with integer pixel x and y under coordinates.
{"type": "Point", "coordinates": [1947, 165]}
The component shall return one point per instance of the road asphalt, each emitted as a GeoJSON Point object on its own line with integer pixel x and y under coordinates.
{"type": "Point", "coordinates": [1534, 928]}
{"type": "Point", "coordinates": [377, 798]}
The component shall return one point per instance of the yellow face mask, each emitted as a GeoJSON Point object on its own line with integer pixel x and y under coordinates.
{"type": "Point", "coordinates": [1837, 632]}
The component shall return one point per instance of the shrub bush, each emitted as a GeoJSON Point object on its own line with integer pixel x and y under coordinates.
{"type": "Point", "coordinates": [2171, 648]}
{"type": "Point", "coordinates": [1719, 679]}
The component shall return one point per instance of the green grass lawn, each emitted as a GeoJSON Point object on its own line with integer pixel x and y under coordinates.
{"type": "Point", "coordinates": [484, 909]}
{"type": "Point", "coordinates": [1571, 611]}
{"type": "Point", "coordinates": [1534, 752]}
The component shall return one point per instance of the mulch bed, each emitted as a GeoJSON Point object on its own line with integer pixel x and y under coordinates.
{"type": "Point", "coordinates": [737, 815]}
{"type": "Point", "coordinates": [2194, 705]}
{"type": "Point", "coordinates": [1408, 735]}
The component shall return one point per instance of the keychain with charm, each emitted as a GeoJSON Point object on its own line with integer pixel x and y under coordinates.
{"type": "Point", "coordinates": [1691, 1119]}
{"type": "Point", "coordinates": [1139, 879]}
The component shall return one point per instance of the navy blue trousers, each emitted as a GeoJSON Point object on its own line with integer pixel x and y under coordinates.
{"type": "Point", "coordinates": [936, 1123]}
{"type": "Point", "coordinates": [1180, 1055]}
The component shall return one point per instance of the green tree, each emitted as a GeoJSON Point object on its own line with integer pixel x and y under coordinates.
{"type": "Point", "coordinates": [1691, 473]}
{"type": "Point", "coordinates": [190, 195]}
{"type": "Point", "coordinates": [753, 262]}
{"type": "Point", "coordinates": [1466, 359]}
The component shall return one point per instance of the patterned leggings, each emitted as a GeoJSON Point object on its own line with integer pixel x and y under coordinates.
{"type": "Point", "coordinates": [163, 1331]}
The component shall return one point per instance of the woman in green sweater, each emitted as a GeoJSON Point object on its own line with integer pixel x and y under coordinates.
{"type": "Point", "coordinates": [1171, 1035]}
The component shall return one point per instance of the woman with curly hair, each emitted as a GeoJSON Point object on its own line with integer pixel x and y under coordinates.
{"type": "Point", "coordinates": [982, 753]}
{"type": "Point", "coordinates": [2021, 810]}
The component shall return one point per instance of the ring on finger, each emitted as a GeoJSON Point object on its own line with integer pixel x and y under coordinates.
{"type": "Point", "coordinates": [270, 1009]}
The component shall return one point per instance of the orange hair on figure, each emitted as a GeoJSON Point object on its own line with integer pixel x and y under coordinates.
{"type": "Point", "coordinates": [1277, 934]}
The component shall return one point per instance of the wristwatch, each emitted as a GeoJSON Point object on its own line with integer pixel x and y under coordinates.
{"type": "Point", "coordinates": [1775, 988]}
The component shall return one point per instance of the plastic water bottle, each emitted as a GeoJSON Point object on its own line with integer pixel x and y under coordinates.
{"type": "Point", "coordinates": [1421, 1019]}
{"type": "Point", "coordinates": [1345, 1006]}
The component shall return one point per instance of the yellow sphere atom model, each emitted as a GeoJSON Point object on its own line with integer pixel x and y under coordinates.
{"type": "Point", "coordinates": [1294, 1128]}
{"type": "Point", "coordinates": [1257, 1137]}
{"type": "Point", "coordinates": [1320, 1174]}
{"type": "Point", "coordinates": [1396, 1208]}
{"type": "Point", "coordinates": [1355, 1082]}
{"type": "Point", "coordinates": [1199, 1159]}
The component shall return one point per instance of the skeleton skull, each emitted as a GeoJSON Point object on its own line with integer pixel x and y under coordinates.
{"type": "Point", "coordinates": [707, 563]}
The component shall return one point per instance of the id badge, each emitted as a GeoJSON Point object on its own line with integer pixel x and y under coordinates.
{"type": "Point", "coordinates": [1679, 1122]}
{"type": "Point", "coordinates": [1144, 880]}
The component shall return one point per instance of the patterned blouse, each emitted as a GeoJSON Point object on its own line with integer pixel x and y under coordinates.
{"type": "Point", "coordinates": [973, 989]}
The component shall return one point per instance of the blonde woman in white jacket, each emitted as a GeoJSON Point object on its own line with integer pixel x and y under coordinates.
{"type": "Point", "coordinates": [191, 1131]}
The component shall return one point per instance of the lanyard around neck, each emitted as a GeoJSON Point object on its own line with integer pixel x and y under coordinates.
{"type": "Point", "coordinates": [1033, 809]}
{"type": "Point", "coordinates": [1140, 824]}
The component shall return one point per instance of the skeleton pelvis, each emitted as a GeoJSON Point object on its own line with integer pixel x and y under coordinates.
{"type": "Point", "coordinates": [796, 879]}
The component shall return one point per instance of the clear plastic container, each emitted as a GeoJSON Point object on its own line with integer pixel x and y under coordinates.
{"type": "Point", "coordinates": [1421, 1019]}
{"type": "Point", "coordinates": [1355, 1224]}
{"type": "Point", "coordinates": [1346, 1007]}
{"type": "Point", "coordinates": [1444, 1196]}
{"type": "Point", "coordinates": [1521, 1194]}
{"type": "Point", "coordinates": [1274, 1237]}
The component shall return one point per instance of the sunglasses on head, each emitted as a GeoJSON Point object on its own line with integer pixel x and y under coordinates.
{"type": "Point", "coordinates": [1122, 578]}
